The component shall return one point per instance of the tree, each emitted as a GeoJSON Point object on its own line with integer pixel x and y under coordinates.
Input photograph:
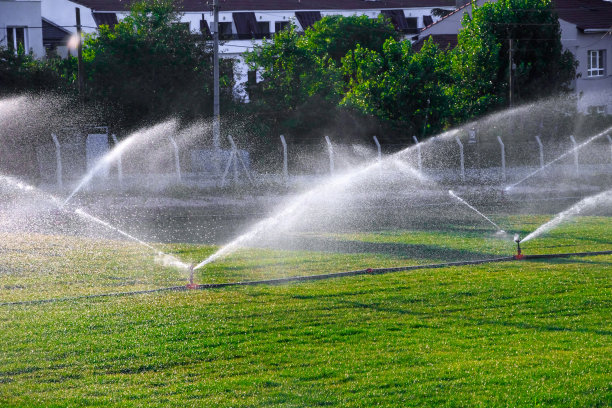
{"type": "Point", "coordinates": [480, 60]}
{"type": "Point", "coordinates": [303, 82]}
{"type": "Point", "coordinates": [21, 72]}
{"type": "Point", "coordinates": [400, 87]}
{"type": "Point", "coordinates": [150, 65]}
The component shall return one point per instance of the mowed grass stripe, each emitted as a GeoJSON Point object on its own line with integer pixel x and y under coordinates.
{"type": "Point", "coordinates": [518, 334]}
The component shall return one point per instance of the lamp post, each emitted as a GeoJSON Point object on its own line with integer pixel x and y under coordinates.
{"type": "Point", "coordinates": [216, 114]}
{"type": "Point", "coordinates": [81, 68]}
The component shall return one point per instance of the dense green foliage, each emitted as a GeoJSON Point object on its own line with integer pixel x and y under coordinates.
{"type": "Point", "coordinates": [480, 63]}
{"type": "Point", "coordinates": [20, 71]}
{"type": "Point", "coordinates": [347, 77]}
{"type": "Point", "coordinates": [150, 65]}
{"type": "Point", "coordinates": [400, 86]}
{"type": "Point", "coordinates": [303, 81]}
{"type": "Point", "coordinates": [414, 93]}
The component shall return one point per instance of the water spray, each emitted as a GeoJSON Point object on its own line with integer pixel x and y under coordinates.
{"type": "Point", "coordinates": [471, 207]}
{"type": "Point", "coordinates": [517, 239]}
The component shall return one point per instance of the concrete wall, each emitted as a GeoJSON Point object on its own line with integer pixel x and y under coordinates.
{"type": "Point", "coordinates": [62, 13]}
{"type": "Point", "coordinates": [591, 91]}
{"type": "Point", "coordinates": [23, 13]}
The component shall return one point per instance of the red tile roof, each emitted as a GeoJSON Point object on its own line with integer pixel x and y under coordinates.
{"type": "Point", "coordinates": [270, 5]}
{"type": "Point", "coordinates": [585, 14]}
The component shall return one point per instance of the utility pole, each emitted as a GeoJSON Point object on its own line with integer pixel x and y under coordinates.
{"type": "Point", "coordinates": [81, 70]}
{"type": "Point", "coordinates": [510, 74]}
{"type": "Point", "coordinates": [216, 114]}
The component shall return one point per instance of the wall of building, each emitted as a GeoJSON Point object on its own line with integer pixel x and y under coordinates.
{"type": "Point", "coordinates": [62, 13]}
{"type": "Point", "coordinates": [23, 13]}
{"type": "Point", "coordinates": [592, 92]}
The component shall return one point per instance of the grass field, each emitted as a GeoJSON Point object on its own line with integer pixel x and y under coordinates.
{"type": "Point", "coordinates": [509, 334]}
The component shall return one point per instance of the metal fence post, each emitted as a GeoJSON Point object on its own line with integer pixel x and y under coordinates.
{"type": "Point", "coordinates": [575, 154]}
{"type": "Point", "coordinates": [462, 158]}
{"type": "Point", "coordinates": [119, 162]}
{"type": "Point", "coordinates": [378, 147]}
{"type": "Point", "coordinates": [330, 150]}
{"type": "Point", "coordinates": [285, 165]}
{"type": "Point", "coordinates": [58, 158]}
{"type": "Point", "coordinates": [177, 162]}
{"type": "Point", "coordinates": [236, 158]}
{"type": "Point", "coordinates": [541, 147]}
{"type": "Point", "coordinates": [503, 157]}
{"type": "Point", "coordinates": [418, 147]}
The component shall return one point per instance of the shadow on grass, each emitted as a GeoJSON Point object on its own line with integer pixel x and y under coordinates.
{"type": "Point", "coordinates": [402, 251]}
{"type": "Point", "coordinates": [570, 261]}
{"type": "Point", "coordinates": [475, 321]}
{"type": "Point", "coordinates": [595, 240]}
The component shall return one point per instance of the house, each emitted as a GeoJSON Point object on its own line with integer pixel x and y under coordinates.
{"type": "Point", "coordinates": [20, 26]}
{"type": "Point", "coordinates": [444, 31]}
{"type": "Point", "coordinates": [586, 31]}
{"type": "Point", "coordinates": [55, 39]}
{"type": "Point", "coordinates": [244, 23]}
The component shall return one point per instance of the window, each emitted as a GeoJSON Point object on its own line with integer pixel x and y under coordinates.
{"type": "Point", "coordinates": [225, 31]}
{"type": "Point", "coordinates": [596, 63]}
{"type": "Point", "coordinates": [597, 110]}
{"type": "Point", "coordinates": [412, 25]}
{"type": "Point", "coordinates": [280, 26]}
{"type": "Point", "coordinates": [263, 29]}
{"type": "Point", "coordinates": [16, 37]}
{"type": "Point", "coordinates": [252, 77]}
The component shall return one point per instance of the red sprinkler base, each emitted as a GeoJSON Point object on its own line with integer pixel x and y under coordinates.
{"type": "Point", "coordinates": [518, 255]}
{"type": "Point", "coordinates": [191, 285]}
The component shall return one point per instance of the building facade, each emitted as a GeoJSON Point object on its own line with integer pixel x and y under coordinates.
{"type": "Point", "coordinates": [586, 31]}
{"type": "Point", "coordinates": [21, 26]}
{"type": "Point", "coordinates": [244, 23]}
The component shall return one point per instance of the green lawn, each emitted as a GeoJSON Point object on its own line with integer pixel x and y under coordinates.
{"type": "Point", "coordinates": [509, 334]}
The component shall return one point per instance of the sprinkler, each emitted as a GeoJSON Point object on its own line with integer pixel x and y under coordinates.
{"type": "Point", "coordinates": [191, 285]}
{"type": "Point", "coordinates": [518, 255]}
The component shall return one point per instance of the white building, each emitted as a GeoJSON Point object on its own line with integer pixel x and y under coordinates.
{"type": "Point", "coordinates": [243, 23]}
{"type": "Point", "coordinates": [21, 25]}
{"type": "Point", "coordinates": [586, 31]}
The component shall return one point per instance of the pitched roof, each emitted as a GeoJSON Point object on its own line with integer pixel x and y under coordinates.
{"type": "Point", "coordinates": [53, 34]}
{"type": "Point", "coordinates": [585, 14]}
{"type": "Point", "coordinates": [457, 10]}
{"type": "Point", "coordinates": [444, 41]}
{"type": "Point", "coordinates": [270, 5]}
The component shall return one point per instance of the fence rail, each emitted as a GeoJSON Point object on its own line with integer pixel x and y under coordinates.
{"type": "Point", "coordinates": [453, 160]}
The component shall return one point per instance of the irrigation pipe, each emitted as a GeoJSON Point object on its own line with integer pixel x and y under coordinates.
{"type": "Point", "coordinates": [279, 281]}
